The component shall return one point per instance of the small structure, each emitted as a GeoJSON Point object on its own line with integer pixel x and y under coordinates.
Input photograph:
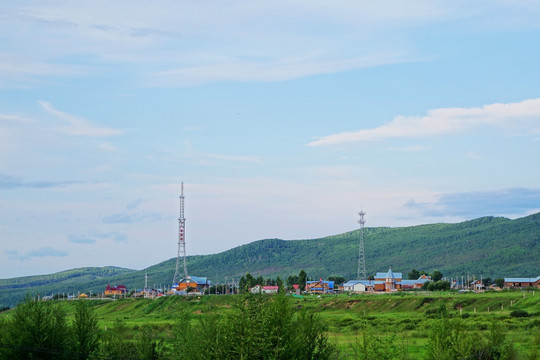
{"type": "Point", "coordinates": [115, 290]}
{"type": "Point", "coordinates": [510, 283]}
{"type": "Point", "coordinates": [389, 281]}
{"type": "Point", "coordinates": [259, 289]}
{"type": "Point", "coordinates": [415, 284]}
{"type": "Point", "coordinates": [358, 286]}
{"type": "Point", "coordinates": [192, 283]}
{"type": "Point", "coordinates": [82, 296]}
{"type": "Point", "coordinates": [320, 286]}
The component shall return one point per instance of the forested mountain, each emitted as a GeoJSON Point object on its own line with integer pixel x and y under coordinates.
{"type": "Point", "coordinates": [488, 246]}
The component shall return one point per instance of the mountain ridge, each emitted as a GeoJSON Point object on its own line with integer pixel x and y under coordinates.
{"type": "Point", "coordinates": [488, 246]}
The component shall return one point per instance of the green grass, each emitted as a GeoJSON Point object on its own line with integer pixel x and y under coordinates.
{"type": "Point", "coordinates": [407, 317]}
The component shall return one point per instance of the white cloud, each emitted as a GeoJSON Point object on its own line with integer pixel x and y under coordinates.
{"type": "Point", "coordinates": [183, 43]}
{"type": "Point", "coordinates": [16, 118]}
{"type": "Point", "coordinates": [519, 116]}
{"type": "Point", "coordinates": [248, 159]}
{"type": "Point", "coordinates": [79, 126]}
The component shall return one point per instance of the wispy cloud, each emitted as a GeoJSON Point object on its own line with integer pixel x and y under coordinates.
{"type": "Point", "coordinates": [10, 182]}
{"type": "Point", "coordinates": [94, 237]}
{"type": "Point", "coordinates": [36, 253]}
{"type": "Point", "coordinates": [79, 126]}
{"type": "Point", "coordinates": [81, 239]}
{"type": "Point", "coordinates": [506, 202]}
{"type": "Point", "coordinates": [16, 118]}
{"type": "Point", "coordinates": [248, 159]}
{"type": "Point", "coordinates": [520, 116]}
{"type": "Point", "coordinates": [130, 218]}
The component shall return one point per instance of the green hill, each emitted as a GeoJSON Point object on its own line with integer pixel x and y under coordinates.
{"type": "Point", "coordinates": [488, 246]}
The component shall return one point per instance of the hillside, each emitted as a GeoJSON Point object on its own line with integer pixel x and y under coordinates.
{"type": "Point", "coordinates": [488, 246]}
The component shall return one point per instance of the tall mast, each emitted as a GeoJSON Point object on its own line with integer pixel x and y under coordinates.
{"type": "Point", "coordinates": [361, 273]}
{"type": "Point", "coordinates": [181, 240]}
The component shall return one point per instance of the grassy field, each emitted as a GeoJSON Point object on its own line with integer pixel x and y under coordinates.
{"type": "Point", "coordinates": [404, 318]}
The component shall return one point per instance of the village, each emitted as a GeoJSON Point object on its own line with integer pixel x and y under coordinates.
{"type": "Point", "coordinates": [383, 282]}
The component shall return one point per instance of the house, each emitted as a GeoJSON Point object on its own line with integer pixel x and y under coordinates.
{"type": "Point", "coordinates": [522, 282]}
{"type": "Point", "coordinates": [82, 296]}
{"type": "Point", "coordinates": [259, 289]}
{"type": "Point", "coordinates": [320, 286]}
{"type": "Point", "coordinates": [196, 283]}
{"type": "Point", "coordinates": [116, 290]}
{"type": "Point", "coordinates": [476, 285]}
{"type": "Point", "coordinates": [357, 286]}
{"type": "Point", "coordinates": [415, 284]}
{"type": "Point", "coordinates": [388, 281]}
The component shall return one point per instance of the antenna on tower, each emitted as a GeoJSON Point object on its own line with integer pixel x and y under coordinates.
{"type": "Point", "coordinates": [181, 240]}
{"type": "Point", "coordinates": [361, 273]}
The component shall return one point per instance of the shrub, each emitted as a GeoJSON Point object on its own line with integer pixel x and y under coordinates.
{"type": "Point", "coordinates": [519, 313]}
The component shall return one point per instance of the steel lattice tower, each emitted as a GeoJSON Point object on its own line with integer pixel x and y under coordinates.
{"type": "Point", "coordinates": [361, 273]}
{"type": "Point", "coordinates": [181, 241]}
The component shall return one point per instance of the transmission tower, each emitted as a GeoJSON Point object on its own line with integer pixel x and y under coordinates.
{"type": "Point", "coordinates": [181, 241]}
{"type": "Point", "coordinates": [361, 273]}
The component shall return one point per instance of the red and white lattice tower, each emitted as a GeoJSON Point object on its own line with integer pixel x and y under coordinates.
{"type": "Point", "coordinates": [181, 241]}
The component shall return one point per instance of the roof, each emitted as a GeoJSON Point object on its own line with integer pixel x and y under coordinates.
{"type": "Point", "coordinates": [197, 279]}
{"type": "Point", "coordinates": [330, 283]}
{"type": "Point", "coordinates": [531, 280]}
{"type": "Point", "coordinates": [356, 282]}
{"type": "Point", "coordinates": [390, 274]}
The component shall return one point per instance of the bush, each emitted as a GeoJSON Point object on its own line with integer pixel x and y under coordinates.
{"type": "Point", "coordinates": [519, 313]}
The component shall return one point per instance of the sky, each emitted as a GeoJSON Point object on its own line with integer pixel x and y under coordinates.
{"type": "Point", "coordinates": [283, 119]}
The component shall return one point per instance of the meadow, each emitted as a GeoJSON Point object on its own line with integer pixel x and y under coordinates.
{"type": "Point", "coordinates": [401, 322]}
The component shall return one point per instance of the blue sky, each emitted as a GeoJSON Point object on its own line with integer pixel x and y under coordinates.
{"type": "Point", "coordinates": [283, 119]}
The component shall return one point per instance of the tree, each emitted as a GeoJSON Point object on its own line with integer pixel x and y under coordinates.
{"type": "Point", "coordinates": [85, 330]}
{"type": "Point", "coordinates": [302, 278]}
{"type": "Point", "coordinates": [38, 330]}
{"type": "Point", "coordinates": [256, 327]}
{"type": "Point", "coordinates": [413, 274]}
{"type": "Point", "coordinates": [436, 275]}
{"type": "Point", "coordinates": [115, 342]}
{"type": "Point", "coordinates": [291, 280]}
{"type": "Point", "coordinates": [499, 282]}
{"type": "Point", "coordinates": [279, 283]}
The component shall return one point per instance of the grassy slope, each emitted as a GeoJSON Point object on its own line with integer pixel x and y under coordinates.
{"type": "Point", "coordinates": [489, 246]}
{"type": "Point", "coordinates": [406, 316]}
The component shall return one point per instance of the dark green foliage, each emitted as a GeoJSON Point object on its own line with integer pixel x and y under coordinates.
{"type": "Point", "coordinates": [148, 345]}
{"type": "Point", "coordinates": [38, 330]}
{"type": "Point", "coordinates": [368, 346]}
{"type": "Point", "coordinates": [413, 274]}
{"type": "Point", "coordinates": [116, 342]}
{"type": "Point", "coordinates": [302, 279]}
{"type": "Point", "coordinates": [499, 282]}
{"type": "Point", "coordinates": [258, 327]}
{"type": "Point", "coordinates": [436, 285]}
{"type": "Point", "coordinates": [448, 340]}
{"type": "Point", "coordinates": [85, 331]}
{"type": "Point", "coordinates": [436, 275]}
{"type": "Point", "coordinates": [519, 313]}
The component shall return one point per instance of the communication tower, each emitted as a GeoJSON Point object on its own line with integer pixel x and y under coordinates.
{"type": "Point", "coordinates": [361, 273]}
{"type": "Point", "coordinates": [181, 241]}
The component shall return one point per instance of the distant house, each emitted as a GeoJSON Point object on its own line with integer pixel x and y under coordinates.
{"type": "Point", "coordinates": [196, 283]}
{"type": "Point", "coordinates": [388, 281]}
{"type": "Point", "coordinates": [357, 286]}
{"type": "Point", "coordinates": [476, 285]}
{"type": "Point", "coordinates": [115, 290]}
{"type": "Point", "coordinates": [82, 296]}
{"type": "Point", "coordinates": [415, 284]}
{"type": "Point", "coordinates": [259, 289]}
{"type": "Point", "coordinates": [522, 282]}
{"type": "Point", "coordinates": [320, 286]}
